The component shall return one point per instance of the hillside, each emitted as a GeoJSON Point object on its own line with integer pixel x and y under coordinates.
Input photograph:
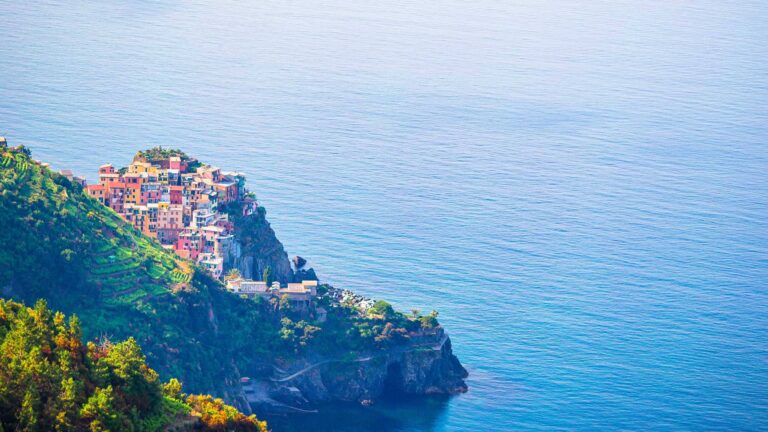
{"type": "Point", "coordinates": [50, 380]}
{"type": "Point", "coordinates": [61, 245]}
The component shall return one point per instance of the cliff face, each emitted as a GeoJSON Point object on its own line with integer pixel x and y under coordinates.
{"type": "Point", "coordinates": [256, 248]}
{"type": "Point", "coordinates": [422, 367]}
{"type": "Point", "coordinates": [61, 245]}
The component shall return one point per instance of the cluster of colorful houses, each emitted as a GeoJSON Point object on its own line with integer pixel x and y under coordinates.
{"type": "Point", "coordinates": [165, 199]}
{"type": "Point", "coordinates": [180, 202]}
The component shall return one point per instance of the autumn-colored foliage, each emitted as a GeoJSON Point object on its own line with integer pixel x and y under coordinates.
{"type": "Point", "coordinates": [217, 416]}
{"type": "Point", "coordinates": [50, 381]}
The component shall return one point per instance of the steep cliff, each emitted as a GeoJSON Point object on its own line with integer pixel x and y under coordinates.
{"type": "Point", "coordinates": [257, 248]}
{"type": "Point", "coordinates": [419, 367]}
{"type": "Point", "coordinates": [61, 245]}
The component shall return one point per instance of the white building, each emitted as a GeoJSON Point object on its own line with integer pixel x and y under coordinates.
{"type": "Point", "coordinates": [298, 293]}
{"type": "Point", "coordinates": [248, 287]}
{"type": "Point", "coordinates": [212, 263]}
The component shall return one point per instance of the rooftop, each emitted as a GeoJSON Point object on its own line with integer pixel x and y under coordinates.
{"type": "Point", "coordinates": [213, 228]}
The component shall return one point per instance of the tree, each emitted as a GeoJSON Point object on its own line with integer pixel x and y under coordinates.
{"type": "Point", "coordinates": [285, 303]}
{"type": "Point", "coordinates": [429, 321]}
{"type": "Point", "coordinates": [288, 332]}
{"type": "Point", "coordinates": [138, 382]}
{"type": "Point", "coordinates": [172, 389]}
{"type": "Point", "coordinates": [100, 413]}
{"type": "Point", "coordinates": [30, 410]}
{"type": "Point", "coordinates": [68, 398]}
{"type": "Point", "coordinates": [383, 309]}
{"type": "Point", "coordinates": [308, 333]}
{"type": "Point", "coordinates": [126, 359]}
{"type": "Point", "coordinates": [232, 275]}
{"type": "Point", "coordinates": [266, 274]}
{"type": "Point", "coordinates": [218, 416]}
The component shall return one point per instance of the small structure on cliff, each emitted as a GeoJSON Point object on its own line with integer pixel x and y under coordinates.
{"type": "Point", "coordinates": [299, 294]}
{"type": "Point", "coordinates": [248, 287]}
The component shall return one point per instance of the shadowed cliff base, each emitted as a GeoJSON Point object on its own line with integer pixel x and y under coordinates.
{"type": "Point", "coordinates": [328, 345]}
{"type": "Point", "coordinates": [392, 413]}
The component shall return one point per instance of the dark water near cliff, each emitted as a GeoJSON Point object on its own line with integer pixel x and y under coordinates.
{"type": "Point", "coordinates": [578, 187]}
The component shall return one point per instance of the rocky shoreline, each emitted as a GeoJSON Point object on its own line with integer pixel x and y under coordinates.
{"type": "Point", "coordinates": [426, 366]}
{"type": "Point", "coordinates": [423, 365]}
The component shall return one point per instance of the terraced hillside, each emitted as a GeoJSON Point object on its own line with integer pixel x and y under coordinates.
{"type": "Point", "coordinates": [59, 244]}
{"type": "Point", "coordinates": [119, 261]}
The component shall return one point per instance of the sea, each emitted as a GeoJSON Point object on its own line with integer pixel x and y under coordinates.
{"type": "Point", "coordinates": [579, 188]}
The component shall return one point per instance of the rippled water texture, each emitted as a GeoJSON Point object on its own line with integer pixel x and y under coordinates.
{"type": "Point", "coordinates": [578, 187]}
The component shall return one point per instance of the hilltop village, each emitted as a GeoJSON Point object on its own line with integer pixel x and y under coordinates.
{"type": "Point", "coordinates": [113, 245]}
{"type": "Point", "coordinates": [186, 205]}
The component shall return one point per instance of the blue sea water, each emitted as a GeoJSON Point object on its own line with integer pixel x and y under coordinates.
{"type": "Point", "coordinates": [580, 188]}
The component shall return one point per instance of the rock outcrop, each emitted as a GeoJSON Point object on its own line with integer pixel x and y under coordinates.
{"type": "Point", "coordinates": [187, 323]}
{"type": "Point", "coordinates": [257, 248]}
{"type": "Point", "coordinates": [424, 366]}
{"type": "Point", "coordinates": [299, 262]}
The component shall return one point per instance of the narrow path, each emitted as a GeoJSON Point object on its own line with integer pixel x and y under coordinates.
{"type": "Point", "coordinates": [437, 347]}
{"type": "Point", "coordinates": [312, 366]}
{"type": "Point", "coordinates": [258, 393]}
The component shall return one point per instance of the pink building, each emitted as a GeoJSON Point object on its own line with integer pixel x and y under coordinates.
{"type": "Point", "coordinates": [180, 209]}
{"type": "Point", "coordinates": [174, 163]}
{"type": "Point", "coordinates": [169, 223]}
{"type": "Point", "coordinates": [189, 244]}
{"type": "Point", "coordinates": [227, 192]}
{"type": "Point", "coordinates": [177, 195]}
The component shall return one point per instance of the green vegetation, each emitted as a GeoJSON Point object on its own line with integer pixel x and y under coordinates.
{"type": "Point", "coordinates": [218, 416]}
{"type": "Point", "coordinates": [350, 329]}
{"type": "Point", "coordinates": [266, 274]}
{"type": "Point", "coordinates": [429, 321]}
{"type": "Point", "coordinates": [50, 381]}
{"type": "Point", "coordinates": [382, 309]}
{"type": "Point", "coordinates": [52, 236]}
{"type": "Point", "coordinates": [232, 274]}
{"type": "Point", "coordinates": [160, 153]}
{"type": "Point", "coordinates": [297, 335]}
{"type": "Point", "coordinates": [61, 245]}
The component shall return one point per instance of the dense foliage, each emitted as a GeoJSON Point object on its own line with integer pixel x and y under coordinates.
{"type": "Point", "coordinates": [53, 236]}
{"type": "Point", "coordinates": [159, 153]}
{"type": "Point", "coordinates": [63, 246]}
{"type": "Point", "coordinates": [218, 416]}
{"type": "Point", "coordinates": [50, 381]}
{"type": "Point", "coordinates": [350, 329]}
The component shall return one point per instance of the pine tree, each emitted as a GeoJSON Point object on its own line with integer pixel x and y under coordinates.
{"type": "Point", "coordinates": [28, 415]}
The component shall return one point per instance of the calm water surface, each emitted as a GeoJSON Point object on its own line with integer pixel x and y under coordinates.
{"type": "Point", "coordinates": [578, 187]}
